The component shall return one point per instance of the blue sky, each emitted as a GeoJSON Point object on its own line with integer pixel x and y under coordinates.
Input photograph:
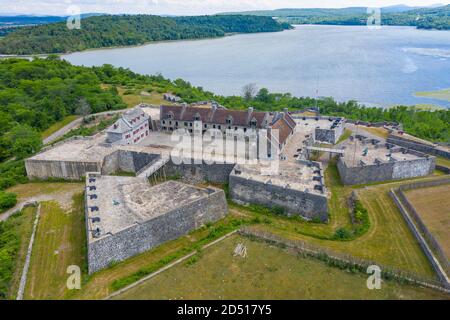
{"type": "Point", "coordinates": [184, 7]}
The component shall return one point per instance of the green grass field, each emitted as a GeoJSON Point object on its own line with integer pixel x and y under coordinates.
{"type": "Point", "coordinates": [265, 273]}
{"type": "Point", "coordinates": [433, 206]}
{"type": "Point", "coordinates": [37, 189]}
{"type": "Point", "coordinates": [59, 243]}
{"type": "Point", "coordinates": [55, 127]}
{"type": "Point", "coordinates": [379, 132]}
{"type": "Point", "coordinates": [133, 97]}
{"type": "Point", "coordinates": [20, 225]}
{"type": "Point", "coordinates": [347, 133]}
{"type": "Point", "coordinates": [443, 161]}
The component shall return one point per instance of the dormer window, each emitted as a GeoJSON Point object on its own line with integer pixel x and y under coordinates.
{"type": "Point", "coordinates": [253, 122]}
{"type": "Point", "coordinates": [197, 117]}
{"type": "Point", "coordinates": [170, 115]}
{"type": "Point", "coordinates": [229, 120]}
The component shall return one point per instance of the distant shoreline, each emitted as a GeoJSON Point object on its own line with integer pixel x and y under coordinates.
{"type": "Point", "coordinates": [44, 55]}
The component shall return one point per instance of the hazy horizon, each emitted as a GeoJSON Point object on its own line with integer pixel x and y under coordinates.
{"type": "Point", "coordinates": [186, 7]}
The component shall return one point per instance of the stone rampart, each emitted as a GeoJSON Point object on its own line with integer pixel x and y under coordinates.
{"type": "Point", "coordinates": [294, 202]}
{"type": "Point", "coordinates": [141, 237]}
{"type": "Point", "coordinates": [418, 146]}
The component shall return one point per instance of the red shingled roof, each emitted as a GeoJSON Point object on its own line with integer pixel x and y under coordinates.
{"type": "Point", "coordinates": [218, 116]}
{"type": "Point", "coordinates": [176, 110]}
{"type": "Point", "coordinates": [290, 120]}
{"type": "Point", "coordinates": [284, 129]}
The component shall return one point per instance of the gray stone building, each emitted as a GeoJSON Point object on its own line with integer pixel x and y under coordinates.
{"type": "Point", "coordinates": [298, 188]}
{"type": "Point", "coordinates": [324, 129]}
{"type": "Point", "coordinates": [228, 122]}
{"type": "Point", "coordinates": [126, 216]}
{"type": "Point", "coordinates": [369, 160]}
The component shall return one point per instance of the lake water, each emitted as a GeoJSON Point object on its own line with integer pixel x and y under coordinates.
{"type": "Point", "coordinates": [381, 67]}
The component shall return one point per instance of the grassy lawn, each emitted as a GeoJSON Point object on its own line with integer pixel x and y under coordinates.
{"type": "Point", "coordinates": [100, 284]}
{"type": "Point", "coordinates": [55, 127]}
{"type": "Point", "coordinates": [133, 97]}
{"type": "Point", "coordinates": [59, 243]}
{"type": "Point", "coordinates": [347, 133]}
{"type": "Point", "coordinates": [265, 273]}
{"type": "Point", "coordinates": [443, 161]}
{"type": "Point", "coordinates": [36, 189]}
{"type": "Point", "coordinates": [379, 132]}
{"type": "Point", "coordinates": [20, 225]}
{"type": "Point", "coordinates": [433, 206]}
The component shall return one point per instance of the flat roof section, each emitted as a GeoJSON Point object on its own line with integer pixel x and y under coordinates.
{"type": "Point", "coordinates": [77, 150]}
{"type": "Point", "coordinates": [355, 150]}
{"type": "Point", "coordinates": [310, 124]}
{"type": "Point", "coordinates": [296, 176]}
{"type": "Point", "coordinates": [116, 203]}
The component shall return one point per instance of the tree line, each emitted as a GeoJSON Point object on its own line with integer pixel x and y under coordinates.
{"type": "Point", "coordinates": [126, 30]}
{"type": "Point", "coordinates": [36, 94]}
{"type": "Point", "coordinates": [422, 18]}
{"type": "Point", "coordinates": [438, 18]}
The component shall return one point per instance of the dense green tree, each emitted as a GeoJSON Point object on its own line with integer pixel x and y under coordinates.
{"type": "Point", "coordinates": [125, 30]}
{"type": "Point", "coordinates": [23, 141]}
{"type": "Point", "coordinates": [7, 200]}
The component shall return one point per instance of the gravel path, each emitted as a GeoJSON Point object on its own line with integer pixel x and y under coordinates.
{"type": "Point", "coordinates": [63, 198]}
{"type": "Point", "coordinates": [74, 124]}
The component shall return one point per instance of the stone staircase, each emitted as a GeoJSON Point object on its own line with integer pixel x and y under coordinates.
{"type": "Point", "coordinates": [151, 168]}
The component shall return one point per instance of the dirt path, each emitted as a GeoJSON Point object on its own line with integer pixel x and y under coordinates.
{"type": "Point", "coordinates": [74, 124]}
{"type": "Point", "coordinates": [63, 198]}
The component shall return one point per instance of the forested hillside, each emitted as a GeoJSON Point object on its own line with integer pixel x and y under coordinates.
{"type": "Point", "coordinates": [34, 95]}
{"type": "Point", "coordinates": [125, 30]}
{"type": "Point", "coordinates": [423, 18]}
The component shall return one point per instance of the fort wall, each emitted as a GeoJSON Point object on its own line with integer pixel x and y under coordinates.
{"type": "Point", "coordinates": [385, 171]}
{"type": "Point", "coordinates": [418, 146]}
{"type": "Point", "coordinates": [70, 170]}
{"type": "Point", "coordinates": [141, 237]}
{"type": "Point", "coordinates": [310, 204]}
{"type": "Point", "coordinates": [202, 172]}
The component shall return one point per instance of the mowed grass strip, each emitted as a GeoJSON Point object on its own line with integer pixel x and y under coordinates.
{"type": "Point", "coordinates": [59, 243]}
{"type": "Point", "coordinates": [133, 97]}
{"type": "Point", "coordinates": [20, 227]}
{"type": "Point", "coordinates": [433, 206]}
{"type": "Point", "coordinates": [443, 161]}
{"type": "Point", "coordinates": [377, 131]}
{"type": "Point", "coordinates": [265, 273]}
{"type": "Point", "coordinates": [39, 189]}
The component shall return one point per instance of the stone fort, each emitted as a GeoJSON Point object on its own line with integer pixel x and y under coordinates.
{"type": "Point", "coordinates": [126, 216]}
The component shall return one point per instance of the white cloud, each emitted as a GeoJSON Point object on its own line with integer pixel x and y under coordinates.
{"type": "Point", "coordinates": [186, 7]}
